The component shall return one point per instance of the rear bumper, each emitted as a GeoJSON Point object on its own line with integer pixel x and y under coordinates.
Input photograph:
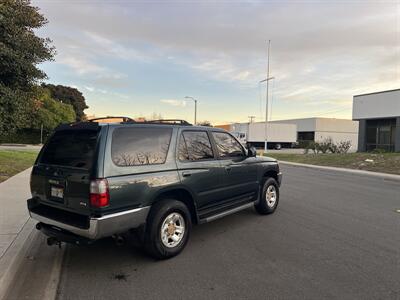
{"type": "Point", "coordinates": [100, 227]}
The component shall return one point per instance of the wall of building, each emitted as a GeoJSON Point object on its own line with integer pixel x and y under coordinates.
{"type": "Point", "coordinates": [338, 137]}
{"type": "Point", "coordinates": [336, 125]}
{"type": "Point", "coordinates": [307, 124]}
{"type": "Point", "coordinates": [377, 105]}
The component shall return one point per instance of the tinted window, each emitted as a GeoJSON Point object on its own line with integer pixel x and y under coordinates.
{"type": "Point", "coordinates": [227, 146]}
{"type": "Point", "coordinates": [194, 145]}
{"type": "Point", "coordinates": [74, 148]}
{"type": "Point", "coordinates": [140, 146]}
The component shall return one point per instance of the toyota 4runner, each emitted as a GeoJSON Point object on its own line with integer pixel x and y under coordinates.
{"type": "Point", "coordinates": [155, 179]}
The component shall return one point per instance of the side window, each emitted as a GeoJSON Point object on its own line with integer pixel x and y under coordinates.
{"type": "Point", "coordinates": [140, 146]}
{"type": "Point", "coordinates": [194, 145]}
{"type": "Point", "coordinates": [227, 146]}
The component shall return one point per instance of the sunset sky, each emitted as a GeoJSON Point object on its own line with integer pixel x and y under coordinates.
{"type": "Point", "coordinates": [137, 58]}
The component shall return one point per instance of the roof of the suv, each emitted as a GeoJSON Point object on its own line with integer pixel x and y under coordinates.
{"type": "Point", "coordinates": [111, 121]}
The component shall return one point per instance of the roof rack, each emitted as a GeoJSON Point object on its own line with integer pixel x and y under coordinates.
{"type": "Point", "coordinates": [124, 119]}
{"type": "Point", "coordinates": [169, 121]}
{"type": "Point", "coordinates": [127, 120]}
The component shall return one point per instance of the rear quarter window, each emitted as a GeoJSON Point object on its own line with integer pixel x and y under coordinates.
{"type": "Point", "coordinates": [140, 146]}
{"type": "Point", "coordinates": [71, 148]}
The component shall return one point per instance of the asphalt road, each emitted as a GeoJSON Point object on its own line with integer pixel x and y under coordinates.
{"type": "Point", "coordinates": [334, 236]}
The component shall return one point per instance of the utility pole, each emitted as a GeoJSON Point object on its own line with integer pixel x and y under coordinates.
{"type": "Point", "coordinates": [251, 118]}
{"type": "Point", "coordinates": [266, 105]}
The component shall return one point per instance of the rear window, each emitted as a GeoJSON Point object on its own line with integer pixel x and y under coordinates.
{"type": "Point", "coordinates": [72, 148]}
{"type": "Point", "coordinates": [140, 146]}
{"type": "Point", "coordinates": [194, 145]}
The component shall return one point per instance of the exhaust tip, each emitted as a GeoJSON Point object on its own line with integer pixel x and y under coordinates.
{"type": "Point", "coordinates": [119, 240]}
{"type": "Point", "coordinates": [38, 226]}
{"type": "Point", "coordinates": [52, 241]}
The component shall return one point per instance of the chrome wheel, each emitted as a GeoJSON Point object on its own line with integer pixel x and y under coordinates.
{"type": "Point", "coordinates": [172, 230]}
{"type": "Point", "coordinates": [271, 196]}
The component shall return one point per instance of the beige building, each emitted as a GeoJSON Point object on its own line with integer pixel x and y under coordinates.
{"type": "Point", "coordinates": [319, 129]}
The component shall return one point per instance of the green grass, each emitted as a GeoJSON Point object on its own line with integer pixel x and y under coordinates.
{"type": "Point", "coordinates": [13, 162]}
{"type": "Point", "coordinates": [385, 162]}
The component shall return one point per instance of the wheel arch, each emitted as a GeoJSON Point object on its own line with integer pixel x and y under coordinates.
{"type": "Point", "coordinates": [181, 194]}
{"type": "Point", "coordinates": [271, 173]}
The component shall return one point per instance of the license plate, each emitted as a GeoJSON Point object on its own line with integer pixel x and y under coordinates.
{"type": "Point", "coordinates": [57, 192]}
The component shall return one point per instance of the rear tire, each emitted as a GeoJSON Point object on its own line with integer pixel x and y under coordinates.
{"type": "Point", "coordinates": [168, 229]}
{"type": "Point", "coordinates": [269, 197]}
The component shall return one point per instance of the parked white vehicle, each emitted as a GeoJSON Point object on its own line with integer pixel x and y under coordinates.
{"type": "Point", "coordinates": [278, 135]}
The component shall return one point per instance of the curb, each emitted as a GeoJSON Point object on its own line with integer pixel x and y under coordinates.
{"type": "Point", "coordinates": [350, 171]}
{"type": "Point", "coordinates": [55, 275]}
{"type": "Point", "coordinates": [15, 254]}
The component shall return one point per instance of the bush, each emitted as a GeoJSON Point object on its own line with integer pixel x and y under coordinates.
{"type": "Point", "coordinates": [24, 136]}
{"type": "Point", "coordinates": [344, 146]}
{"type": "Point", "coordinates": [326, 146]}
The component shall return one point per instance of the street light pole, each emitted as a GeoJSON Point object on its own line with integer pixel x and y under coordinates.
{"type": "Point", "coordinates": [195, 108]}
{"type": "Point", "coordinates": [266, 112]}
{"type": "Point", "coordinates": [266, 104]}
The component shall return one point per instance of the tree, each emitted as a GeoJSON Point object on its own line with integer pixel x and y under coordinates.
{"type": "Point", "coordinates": [20, 49]}
{"type": "Point", "coordinates": [205, 123]}
{"type": "Point", "coordinates": [14, 109]}
{"type": "Point", "coordinates": [69, 95]}
{"type": "Point", "coordinates": [49, 112]}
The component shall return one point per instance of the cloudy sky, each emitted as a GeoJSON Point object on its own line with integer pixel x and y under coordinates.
{"type": "Point", "coordinates": [137, 58]}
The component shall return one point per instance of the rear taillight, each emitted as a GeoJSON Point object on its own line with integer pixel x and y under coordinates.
{"type": "Point", "coordinates": [99, 195]}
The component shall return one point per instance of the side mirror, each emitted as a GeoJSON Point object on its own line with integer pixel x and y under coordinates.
{"type": "Point", "coordinates": [251, 151]}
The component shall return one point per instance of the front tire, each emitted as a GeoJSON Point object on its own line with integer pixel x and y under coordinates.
{"type": "Point", "coordinates": [269, 197]}
{"type": "Point", "coordinates": [168, 229]}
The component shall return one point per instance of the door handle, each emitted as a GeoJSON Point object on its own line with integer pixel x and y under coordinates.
{"type": "Point", "coordinates": [186, 174]}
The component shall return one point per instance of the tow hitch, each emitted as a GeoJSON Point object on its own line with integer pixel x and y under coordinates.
{"type": "Point", "coordinates": [56, 236]}
{"type": "Point", "coordinates": [53, 241]}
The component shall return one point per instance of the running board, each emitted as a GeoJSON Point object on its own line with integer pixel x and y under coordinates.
{"type": "Point", "coordinates": [227, 212]}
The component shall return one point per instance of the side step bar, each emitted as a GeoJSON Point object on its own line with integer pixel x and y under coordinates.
{"type": "Point", "coordinates": [227, 212]}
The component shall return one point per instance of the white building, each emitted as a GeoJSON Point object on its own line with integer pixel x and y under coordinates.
{"type": "Point", "coordinates": [379, 120]}
{"type": "Point", "coordinates": [319, 129]}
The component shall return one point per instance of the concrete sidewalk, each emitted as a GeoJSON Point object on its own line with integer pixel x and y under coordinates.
{"type": "Point", "coordinates": [16, 227]}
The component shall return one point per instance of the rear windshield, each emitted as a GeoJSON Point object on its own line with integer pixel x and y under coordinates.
{"type": "Point", "coordinates": [72, 148]}
{"type": "Point", "coordinates": [140, 146]}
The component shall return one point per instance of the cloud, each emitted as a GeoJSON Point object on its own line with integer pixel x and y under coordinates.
{"type": "Point", "coordinates": [174, 102]}
{"type": "Point", "coordinates": [80, 65]}
{"type": "Point", "coordinates": [89, 88]}
{"type": "Point", "coordinates": [322, 52]}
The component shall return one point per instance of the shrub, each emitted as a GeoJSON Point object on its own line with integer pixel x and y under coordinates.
{"type": "Point", "coordinates": [325, 145]}
{"type": "Point", "coordinates": [343, 147]}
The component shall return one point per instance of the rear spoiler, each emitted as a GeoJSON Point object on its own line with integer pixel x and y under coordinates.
{"type": "Point", "coordinates": [78, 126]}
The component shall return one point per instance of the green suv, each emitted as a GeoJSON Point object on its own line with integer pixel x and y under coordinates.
{"type": "Point", "coordinates": [151, 180]}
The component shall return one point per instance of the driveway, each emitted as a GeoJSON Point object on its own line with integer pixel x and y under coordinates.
{"type": "Point", "coordinates": [335, 235]}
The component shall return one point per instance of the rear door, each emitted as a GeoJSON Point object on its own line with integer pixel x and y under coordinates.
{"type": "Point", "coordinates": [61, 177]}
{"type": "Point", "coordinates": [199, 168]}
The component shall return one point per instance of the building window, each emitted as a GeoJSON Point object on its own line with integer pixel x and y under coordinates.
{"type": "Point", "coordinates": [381, 134]}
{"type": "Point", "coordinates": [308, 136]}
